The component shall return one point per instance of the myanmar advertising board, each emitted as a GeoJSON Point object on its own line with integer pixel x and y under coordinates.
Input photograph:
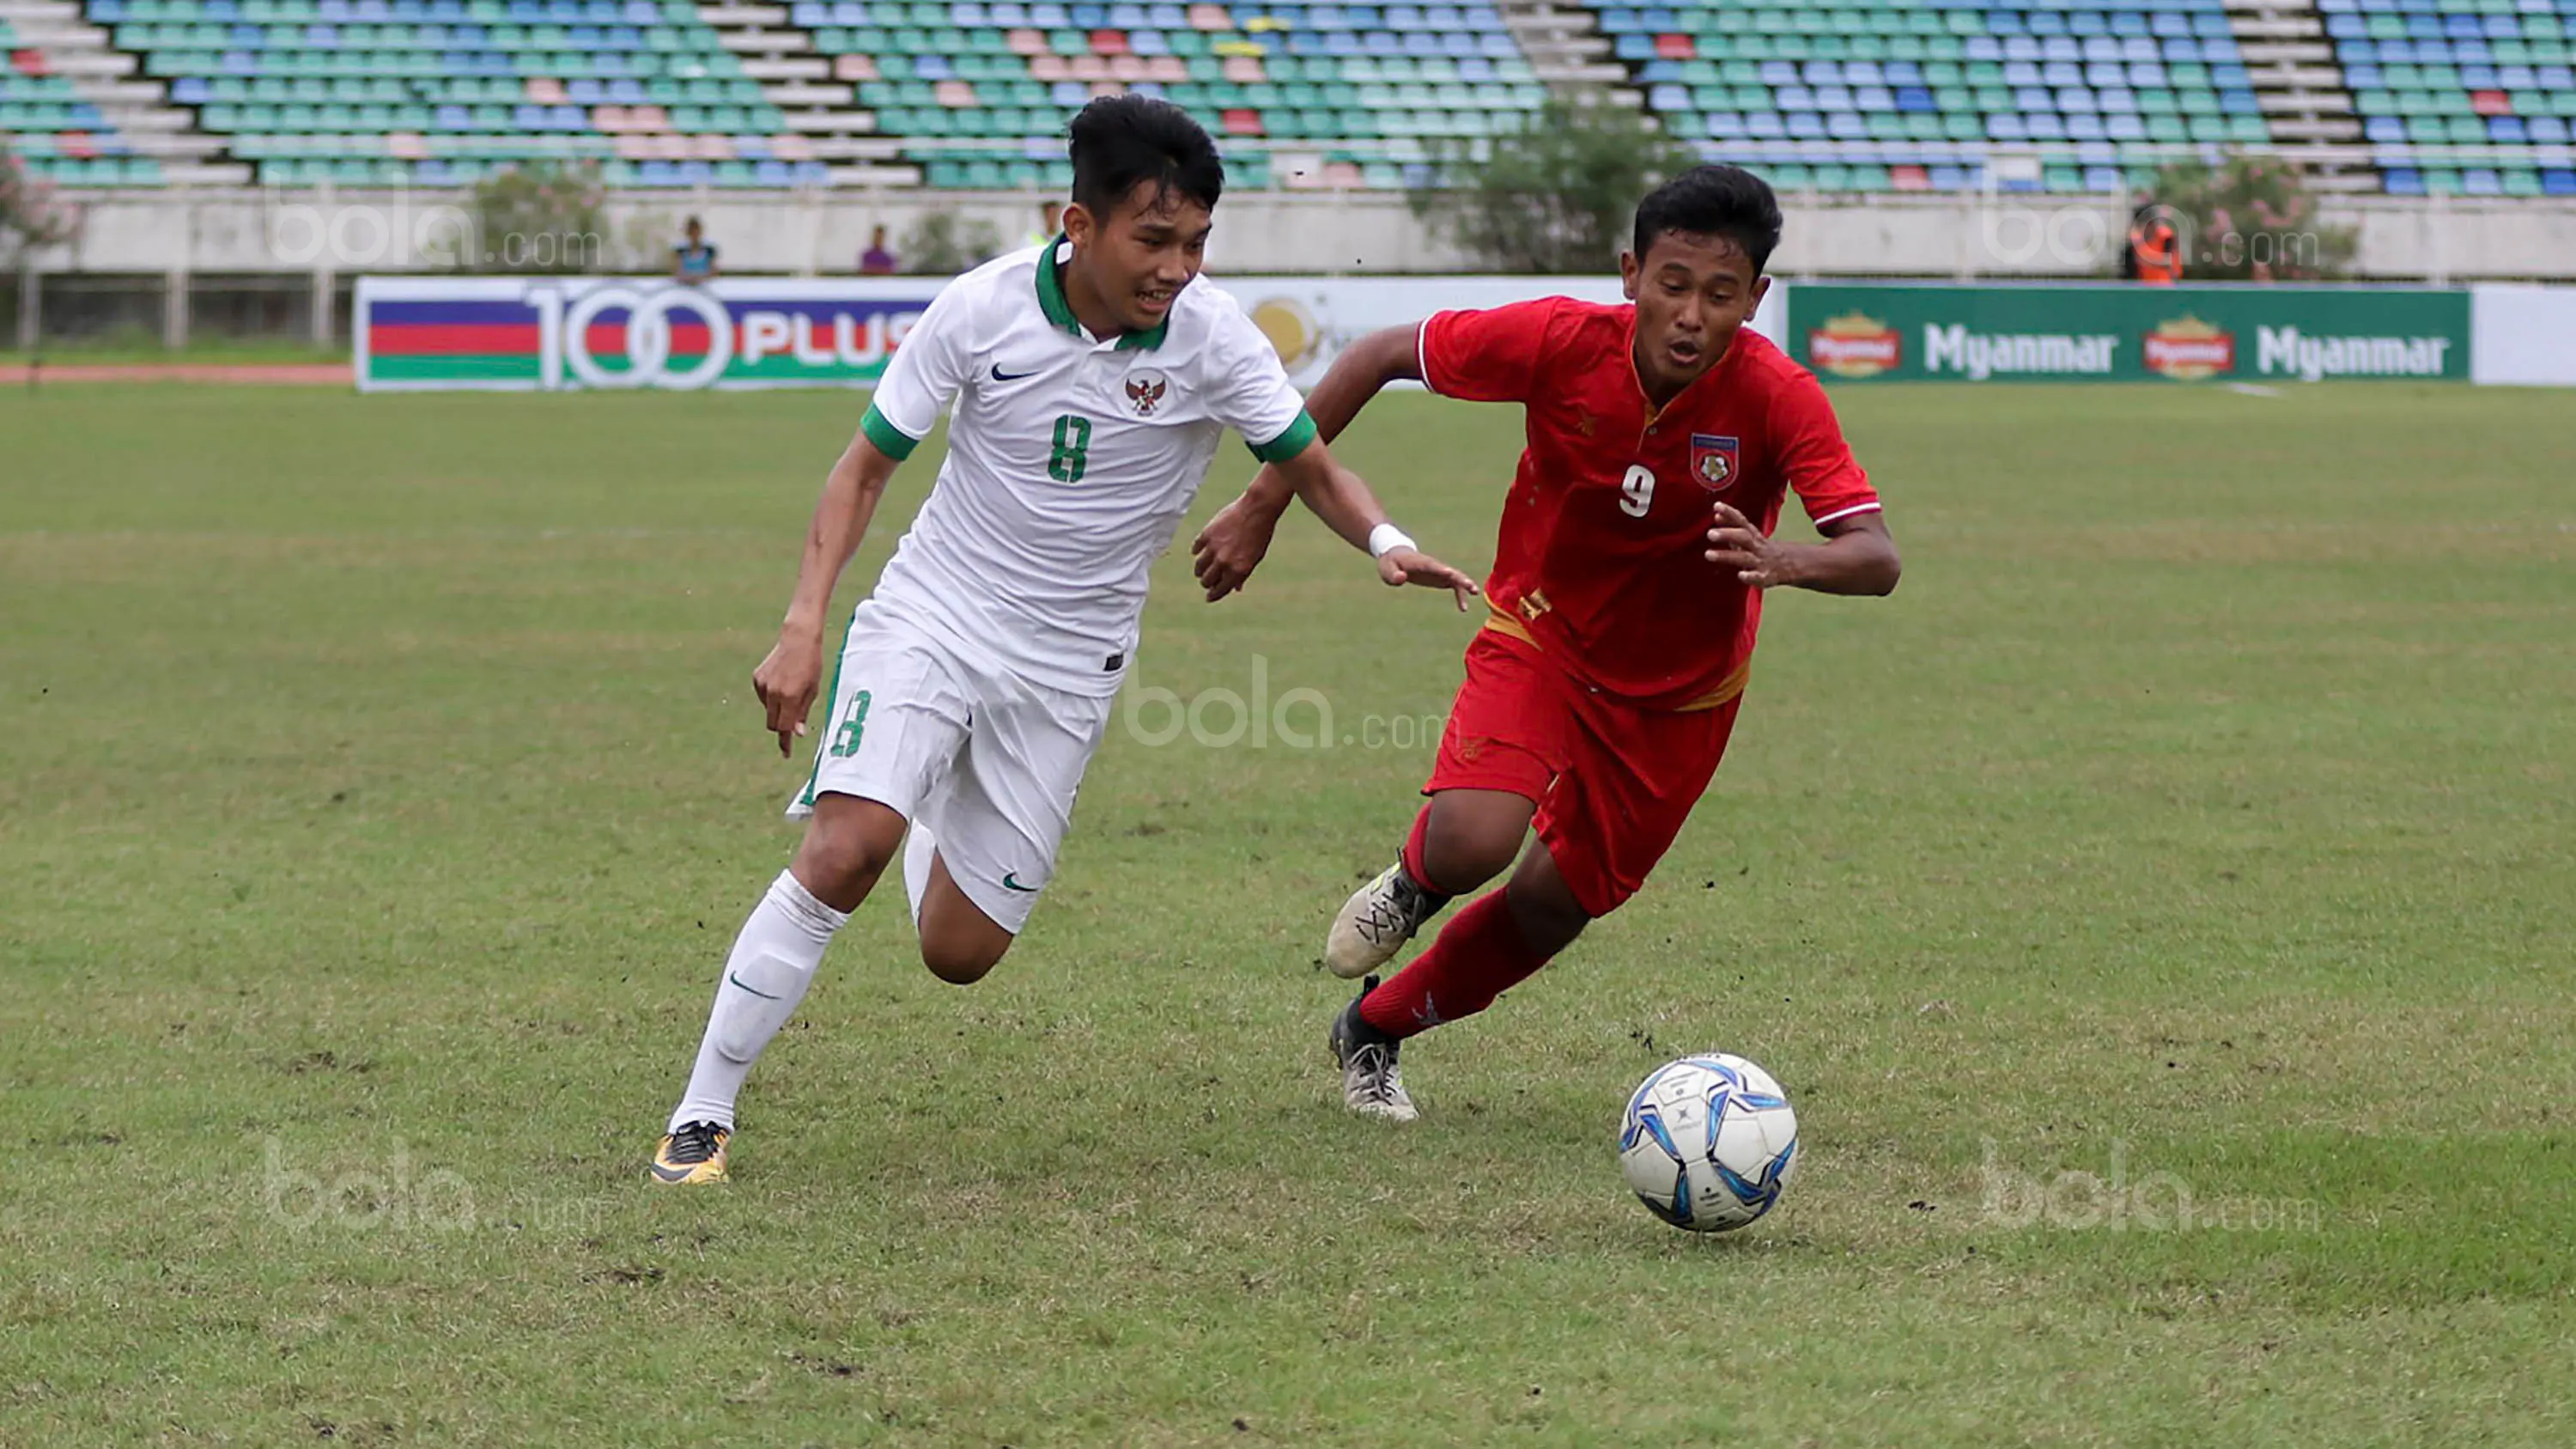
{"type": "Point", "coordinates": [2123, 332]}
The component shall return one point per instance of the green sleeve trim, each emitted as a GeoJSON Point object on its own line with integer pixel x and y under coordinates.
{"type": "Point", "coordinates": [890, 440]}
{"type": "Point", "coordinates": [1289, 444]}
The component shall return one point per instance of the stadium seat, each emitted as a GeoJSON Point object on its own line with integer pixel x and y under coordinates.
{"type": "Point", "coordinates": [523, 80]}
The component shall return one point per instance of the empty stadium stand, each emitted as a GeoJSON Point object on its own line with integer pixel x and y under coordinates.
{"type": "Point", "coordinates": [73, 108]}
{"type": "Point", "coordinates": [2466, 96]}
{"type": "Point", "coordinates": [1871, 95]}
{"type": "Point", "coordinates": [971, 94]}
{"type": "Point", "coordinates": [437, 92]}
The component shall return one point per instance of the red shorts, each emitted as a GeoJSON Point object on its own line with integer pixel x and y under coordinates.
{"type": "Point", "coordinates": [1613, 782]}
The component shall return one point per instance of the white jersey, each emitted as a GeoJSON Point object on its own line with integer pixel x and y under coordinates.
{"type": "Point", "coordinates": [1070, 460]}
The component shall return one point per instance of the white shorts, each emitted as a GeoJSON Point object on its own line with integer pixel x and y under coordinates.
{"type": "Point", "coordinates": [987, 760]}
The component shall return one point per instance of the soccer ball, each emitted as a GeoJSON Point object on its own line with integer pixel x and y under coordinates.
{"type": "Point", "coordinates": [1708, 1142]}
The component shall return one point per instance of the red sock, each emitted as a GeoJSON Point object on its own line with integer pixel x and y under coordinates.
{"type": "Point", "coordinates": [1478, 956]}
{"type": "Point", "coordinates": [1413, 851]}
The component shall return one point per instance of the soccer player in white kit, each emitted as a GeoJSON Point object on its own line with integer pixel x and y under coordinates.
{"type": "Point", "coordinates": [1092, 378]}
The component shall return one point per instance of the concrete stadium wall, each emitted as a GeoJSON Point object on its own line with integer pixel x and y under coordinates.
{"type": "Point", "coordinates": [173, 233]}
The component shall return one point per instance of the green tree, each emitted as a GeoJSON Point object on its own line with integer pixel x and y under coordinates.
{"type": "Point", "coordinates": [30, 214]}
{"type": "Point", "coordinates": [942, 244]}
{"type": "Point", "coordinates": [2249, 219]}
{"type": "Point", "coordinates": [31, 219]}
{"type": "Point", "coordinates": [541, 217]}
{"type": "Point", "coordinates": [1556, 195]}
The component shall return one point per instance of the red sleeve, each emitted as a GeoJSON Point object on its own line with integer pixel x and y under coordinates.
{"type": "Point", "coordinates": [1808, 440]}
{"type": "Point", "coordinates": [1485, 356]}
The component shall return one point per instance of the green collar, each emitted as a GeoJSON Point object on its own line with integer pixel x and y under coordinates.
{"type": "Point", "coordinates": [1059, 312]}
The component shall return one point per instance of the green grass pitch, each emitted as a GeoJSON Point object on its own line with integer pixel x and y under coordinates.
{"type": "Point", "coordinates": [2160, 911]}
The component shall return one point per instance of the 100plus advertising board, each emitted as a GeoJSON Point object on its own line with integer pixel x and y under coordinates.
{"type": "Point", "coordinates": [595, 332]}
{"type": "Point", "coordinates": [2123, 332]}
{"type": "Point", "coordinates": [416, 334]}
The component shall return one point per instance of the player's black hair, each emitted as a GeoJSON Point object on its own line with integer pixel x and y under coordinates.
{"type": "Point", "coordinates": [1722, 201]}
{"type": "Point", "coordinates": [1119, 141]}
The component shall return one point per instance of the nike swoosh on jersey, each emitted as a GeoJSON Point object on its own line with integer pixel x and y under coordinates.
{"type": "Point", "coordinates": [1011, 882]}
{"type": "Point", "coordinates": [1000, 376]}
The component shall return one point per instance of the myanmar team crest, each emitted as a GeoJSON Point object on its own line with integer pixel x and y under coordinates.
{"type": "Point", "coordinates": [1713, 460]}
{"type": "Point", "coordinates": [1145, 392]}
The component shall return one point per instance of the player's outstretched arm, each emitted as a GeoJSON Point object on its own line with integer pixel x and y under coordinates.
{"type": "Point", "coordinates": [1360, 373]}
{"type": "Point", "coordinates": [788, 679]}
{"type": "Point", "coordinates": [1858, 555]}
{"type": "Point", "coordinates": [1238, 537]}
{"type": "Point", "coordinates": [1338, 496]}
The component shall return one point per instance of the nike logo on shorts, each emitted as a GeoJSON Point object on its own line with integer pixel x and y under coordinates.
{"type": "Point", "coordinates": [1011, 882]}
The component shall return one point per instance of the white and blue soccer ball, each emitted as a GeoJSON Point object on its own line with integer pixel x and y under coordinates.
{"type": "Point", "coordinates": [1708, 1142]}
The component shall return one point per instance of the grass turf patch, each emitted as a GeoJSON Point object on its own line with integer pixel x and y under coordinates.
{"type": "Point", "coordinates": [2156, 910]}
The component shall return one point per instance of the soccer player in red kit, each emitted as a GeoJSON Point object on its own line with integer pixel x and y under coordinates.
{"type": "Point", "coordinates": [1627, 587]}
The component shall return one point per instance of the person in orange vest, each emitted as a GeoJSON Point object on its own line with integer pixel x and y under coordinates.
{"type": "Point", "coordinates": [2155, 250]}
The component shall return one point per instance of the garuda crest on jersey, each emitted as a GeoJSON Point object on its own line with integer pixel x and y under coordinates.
{"type": "Point", "coordinates": [1145, 392]}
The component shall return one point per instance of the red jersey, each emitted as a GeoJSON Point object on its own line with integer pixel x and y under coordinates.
{"type": "Point", "coordinates": [1601, 558]}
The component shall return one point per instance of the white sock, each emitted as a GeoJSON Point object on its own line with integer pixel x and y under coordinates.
{"type": "Point", "coordinates": [772, 963]}
{"type": "Point", "coordinates": [918, 848]}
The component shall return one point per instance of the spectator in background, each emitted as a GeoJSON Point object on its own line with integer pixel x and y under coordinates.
{"type": "Point", "coordinates": [2155, 249]}
{"type": "Point", "coordinates": [876, 261]}
{"type": "Point", "coordinates": [1050, 225]}
{"type": "Point", "coordinates": [694, 259]}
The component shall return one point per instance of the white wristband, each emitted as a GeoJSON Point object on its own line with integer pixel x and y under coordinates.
{"type": "Point", "coordinates": [1386, 538]}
